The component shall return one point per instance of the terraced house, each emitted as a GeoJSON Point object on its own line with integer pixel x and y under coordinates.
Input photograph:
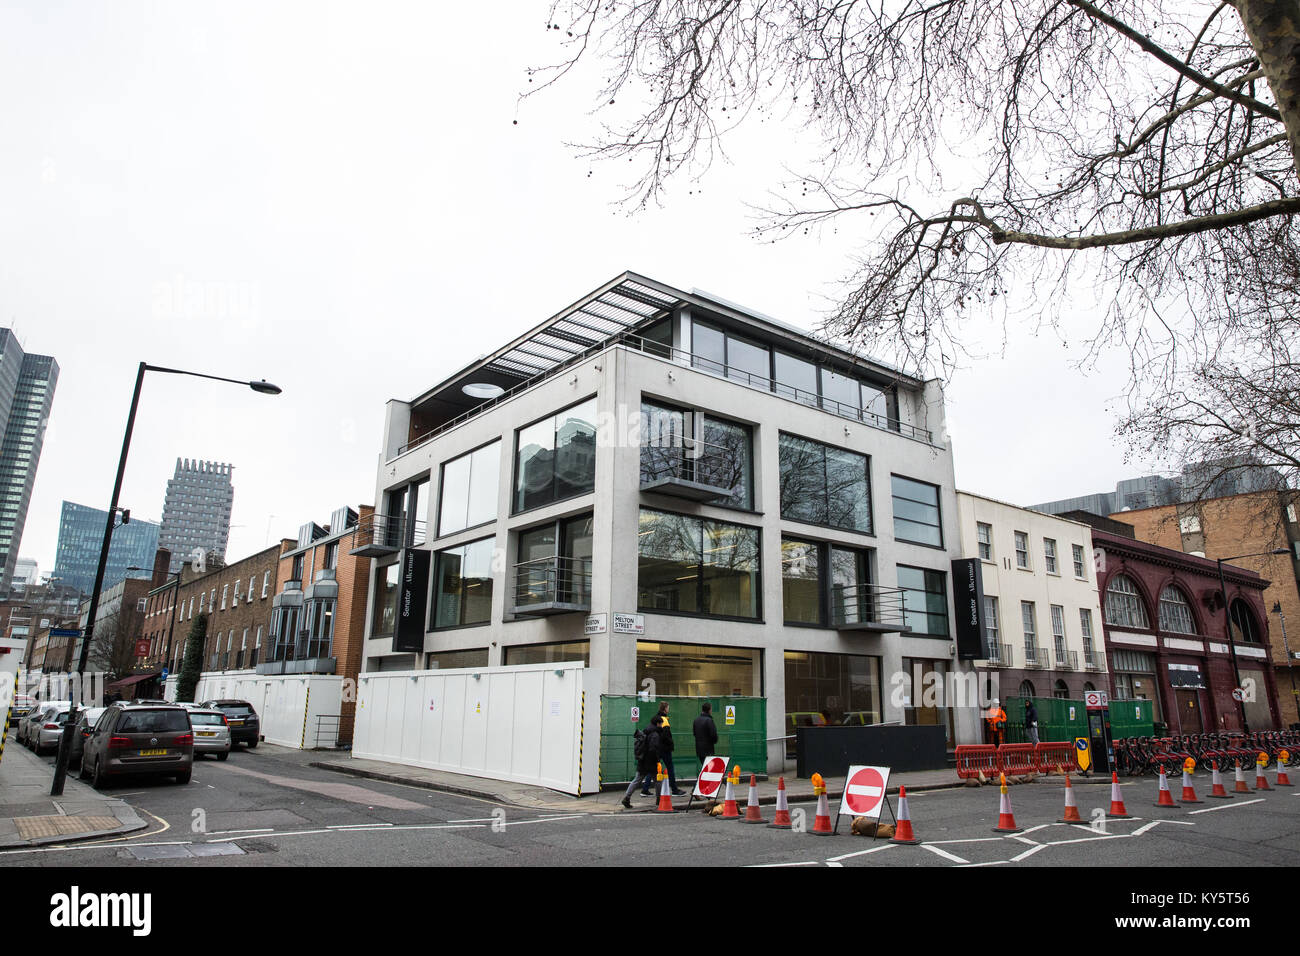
{"type": "Point", "coordinates": [678, 490]}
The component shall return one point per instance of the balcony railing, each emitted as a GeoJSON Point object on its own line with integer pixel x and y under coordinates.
{"type": "Point", "coordinates": [1000, 655]}
{"type": "Point", "coordinates": [1090, 660]}
{"type": "Point", "coordinates": [868, 607]}
{"type": "Point", "coordinates": [1035, 657]}
{"type": "Point", "coordinates": [694, 469]}
{"type": "Point", "coordinates": [682, 357]}
{"type": "Point", "coordinates": [1067, 660]}
{"type": "Point", "coordinates": [379, 534]}
{"type": "Point", "coordinates": [552, 585]}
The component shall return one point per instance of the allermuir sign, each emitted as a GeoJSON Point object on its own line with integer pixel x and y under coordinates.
{"type": "Point", "coordinates": [629, 624]}
{"type": "Point", "coordinates": [968, 602]}
{"type": "Point", "coordinates": [413, 595]}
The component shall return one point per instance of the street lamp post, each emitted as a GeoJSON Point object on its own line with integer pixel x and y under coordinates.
{"type": "Point", "coordinates": [65, 741]}
{"type": "Point", "coordinates": [1227, 619]}
{"type": "Point", "coordinates": [1290, 661]}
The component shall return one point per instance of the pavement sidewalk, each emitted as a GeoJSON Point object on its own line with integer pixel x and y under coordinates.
{"type": "Point", "coordinates": [30, 817]}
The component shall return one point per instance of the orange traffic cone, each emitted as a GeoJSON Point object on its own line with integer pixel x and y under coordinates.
{"type": "Point", "coordinates": [822, 822]}
{"type": "Point", "coordinates": [1071, 814]}
{"type": "Point", "coordinates": [665, 797]}
{"type": "Point", "coordinates": [1261, 781]}
{"type": "Point", "coordinates": [751, 808]}
{"type": "Point", "coordinates": [729, 809]}
{"type": "Point", "coordinates": [1006, 819]}
{"type": "Point", "coordinates": [1216, 786]}
{"type": "Point", "coordinates": [781, 821]}
{"type": "Point", "coordinates": [1282, 779]}
{"type": "Point", "coordinates": [1166, 799]}
{"type": "Point", "coordinates": [1189, 790]}
{"type": "Point", "coordinates": [1117, 809]}
{"type": "Point", "coordinates": [1241, 781]}
{"type": "Point", "coordinates": [903, 822]}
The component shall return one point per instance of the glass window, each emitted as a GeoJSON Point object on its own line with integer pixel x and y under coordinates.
{"type": "Point", "coordinates": [801, 581]}
{"type": "Point", "coordinates": [463, 585]}
{"type": "Point", "coordinates": [446, 660]}
{"type": "Point", "coordinates": [723, 460]}
{"type": "Point", "coordinates": [821, 484]}
{"type": "Point", "coordinates": [419, 501]}
{"type": "Point", "coordinates": [1058, 628]}
{"type": "Point", "coordinates": [1175, 612]}
{"type": "Point", "coordinates": [991, 633]}
{"type": "Point", "coordinates": [925, 600]}
{"type": "Point", "coordinates": [699, 670]}
{"type": "Point", "coordinates": [1030, 627]}
{"type": "Point", "coordinates": [1243, 623]}
{"type": "Point", "coordinates": [549, 653]}
{"type": "Point", "coordinates": [1022, 549]}
{"type": "Point", "coordinates": [831, 689]}
{"type": "Point", "coordinates": [708, 348]}
{"type": "Point", "coordinates": [796, 378]}
{"type": "Point", "coordinates": [555, 563]}
{"type": "Point", "coordinates": [1124, 605]}
{"type": "Point", "coordinates": [727, 461]}
{"type": "Point", "coordinates": [880, 406]}
{"type": "Point", "coordinates": [331, 556]}
{"type": "Point", "coordinates": [841, 394]}
{"type": "Point", "coordinates": [1049, 555]}
{"type": "Point", "coordinates": [1080, 569]}
{"type": "Point", "coordinates": [984, 534]}
{"type": "Point", "coordinates": [556, 458]}
{"type": "Point", "coordinates": [697, 566]}
{"type": "Point", "coordinates": [385, 607]}
{"type": "Point", "coordinates": [469, 489]}
{"type": "Point", "coordinates": [916, 512]}
{"type": "Point", "coordinates": [748, 362]}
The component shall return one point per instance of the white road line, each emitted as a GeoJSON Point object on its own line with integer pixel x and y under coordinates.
{"type": "Point", "coordinates": [228, 832]}
{"type": "Point", "coordinates": [762, 866]}
{"type": "Point", "coordinates": [1030, 852]}
{"type": "Point", "coordinates": [357, 826]}
{"type": "Point", "coordinates": [1021, 839]}
{"type": "Point", "coordinates": [874, 849]}
{"type": "Point", "coordinates": [1040, 826]}
{"type": "Point", "coordinates": [1155, 823]}
{"type": "Point", "coordinates": [943, 853]}
{"type": "Point", "coordinates": [88, 846]}
{"type": "Point", "coordinates": [972, 866]}
{"type": "Point", "coordinates": [975, 840]}
{"type": "Point", "coordinates": [1228, 806]}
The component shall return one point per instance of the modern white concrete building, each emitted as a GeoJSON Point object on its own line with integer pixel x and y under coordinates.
{"type": "Point", "coordinates": [1041, 614]}
{"type": "Point", "coordinates": [676, 490]}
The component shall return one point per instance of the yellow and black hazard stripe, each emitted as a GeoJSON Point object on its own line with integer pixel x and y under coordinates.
{"type": "Point", "coordinates": [9, 716]}
{"type": "Point", "coordinates": [306, 705]}
{"type": "Point", "coordinates": [582, 735]}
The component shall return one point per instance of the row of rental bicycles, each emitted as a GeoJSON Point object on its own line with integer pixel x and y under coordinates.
{"type": "Point", "coordinates": [1135, 756]}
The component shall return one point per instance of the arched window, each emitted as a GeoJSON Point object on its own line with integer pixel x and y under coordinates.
{"type": "Point", "coordinates": [1027, 689]}
{"type": "Point", "coordinates": [1124, 607]}
{"type": "Point", "coordinates": [1088, 687]}
{"type": "Point", "coordinates": [1060, 690]}
{"type": "Point", "coordinates": [1243, 623]}
{"type": "Point", "coordinates": [1175, 612]}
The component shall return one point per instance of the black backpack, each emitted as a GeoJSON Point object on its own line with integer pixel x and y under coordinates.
{"type": "Point", "coordinates": [640, 745]}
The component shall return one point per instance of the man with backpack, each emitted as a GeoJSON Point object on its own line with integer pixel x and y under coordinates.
{"type": "Point", "coordinates": [645, 748]}
{"type": "Point", "coordinates": [665, 753]}
{"type": "Point", "coordinates": [706, 733]}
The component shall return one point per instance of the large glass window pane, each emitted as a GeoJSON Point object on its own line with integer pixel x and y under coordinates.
{"type": "Point", "coordinates": [535, 465]}
{"type": "Point", "coordinates": [848, 503]}
{"type": "Point", "coordinates": [455, 496]}
{"type": "Point", "coordinates": [484, 481]}
{"type": "Point", "coordinates": [708, 348]}
{"type": "Point", "coordinates": [796, 378]}
{"type": "Point", "coordinates": [575, 582]}
{"type": "Point", "coordinates": [730, 570]}
{"type": "Point", "coordinates": [803, 480]}
{"type": "Point", "coordinates": [841, 394]}
{"type": "Point", "coordinates": [925, 600]}
{"type": "Point", "coordinates": [850, 593]}
{"type": "Point", "coordinates": [699, 670]}
{"type": "Point", "coordinates": [916, 512]}
{"type": "Point", "coordinates": [385, 606]}
{"type": "Point", "coordinates": [801, 582]}
{"type": "Point", "coordinates": [419, 504]}
{"type": "Point", "coordinates": [549, 653]}
{"type": "Point", "coordinates": [727, 461]}
{"type": "Point", "coordinates": [463, 585]}
{"type": "Point", "coordinates": [830, 689]}
{"type": "Point", "coordinates": [881, 406]}
{"type": "Point", "coordinates": [668, 568]}
{"type": "Point", "coordinates": [748, 362]}
{"type": "Point", "coordinates": [575, 451]}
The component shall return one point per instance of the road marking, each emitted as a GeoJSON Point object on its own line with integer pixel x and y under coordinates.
{"type": "Point", "coordinates": [228, 832]}
{"type": "Point", "coordinates": [1155, 823]}
{"type": "Point", "coordinates": [1228, 806]}
{"type": "Point", "coordinates": [874, 849]}
{"type": "Point", "coordinates": [760, 866]}
{"type": "Point", "coordinates": [1030, 852]}
{"type": "Point", "coordinates": [356, 826]}
{"type": "Point", "coordinates": [943, 853]}
{"type": "Point", "coordinates": [975, 840]}
{"type": "Point", "coordinates": [1026, 840]}
{"type": "Point", "coordinates": [1039, 827]}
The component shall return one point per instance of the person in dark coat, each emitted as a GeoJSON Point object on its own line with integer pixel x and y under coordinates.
{"type": "Point", "coordinates": [647, 766]}
{"type": "Point", "coordinates": [706, 733]}
{"type": "Point", "coordinates": [665, 753]}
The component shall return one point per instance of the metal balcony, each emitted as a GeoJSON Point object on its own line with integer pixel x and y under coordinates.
{"type": "Point", "coordinates": [868, 607]}
{"type": "Point", "coordinates": [1035, 657]}
{"type": "Point", "coordinates": [694, 469]}
{"type": "Point", "coordinates": [552, 585]}
{"type": "Point", "coordinates": [378, 534]}
{"type": "Point", "coordinates": [1000, 655]}
{"type": "Point", "coordinates": [1067, 660]}
{"type": "Point", "coordinates": [1091, 662]}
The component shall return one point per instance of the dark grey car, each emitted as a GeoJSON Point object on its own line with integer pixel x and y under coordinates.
{"type": "Point", "coordinates": [132, 739]}
{"type": "Point", "coordinates": [242, 719]}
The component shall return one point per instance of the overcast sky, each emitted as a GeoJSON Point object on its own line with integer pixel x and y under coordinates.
{"type": "Point", "coordinates": [337, 198]}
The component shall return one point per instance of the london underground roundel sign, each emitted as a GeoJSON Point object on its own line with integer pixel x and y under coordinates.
{"type": "Point", "coordinates": [711, 776]}
{"type": "Point", "coordinates": [864, 791]}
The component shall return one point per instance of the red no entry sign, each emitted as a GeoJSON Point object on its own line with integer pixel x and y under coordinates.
{"type": "Point", "coordinates": [864, 791]}
{"type": "Point", "coordinates": [711, 775]}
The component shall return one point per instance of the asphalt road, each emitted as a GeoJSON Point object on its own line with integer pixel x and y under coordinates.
{"type": "Point", "coordinates": [268, 807]}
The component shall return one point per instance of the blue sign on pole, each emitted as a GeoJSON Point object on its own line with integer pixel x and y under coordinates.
{"type": "Point", "coordinates": [65, 632]}
{"type": "Point", "coordinates": [164, 673]}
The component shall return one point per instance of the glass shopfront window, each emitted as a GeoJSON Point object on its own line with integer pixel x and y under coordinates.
{"type": "Point", "coordinates": [387, 579]}
{"type": "Point", "coordinates": [549, 653]}
{"type": "Point", "coordinates": [830, 690]}
{"type": "Point", "coordinates": [821, 484]}
{"type": "Point", "coordinates": [469, 489]}
{"type": "Point", "coordinates": [463, 585]}
{"type": "Point", "coordinates": [699, 670]}
{"type": "Point", "coordinates": [447, 660]}
{"type": "Point", "coordinates": [555, 458]}
{"type": "Point", "coordinates": [697, 566]}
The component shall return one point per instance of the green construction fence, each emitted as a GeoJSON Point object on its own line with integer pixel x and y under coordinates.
{"type": "Point", "coordinates": [1060, 719]}
{"type": "Point", "coordinates": [1131, 718]}
{"type": "Point", "coordinates": [745, 740]}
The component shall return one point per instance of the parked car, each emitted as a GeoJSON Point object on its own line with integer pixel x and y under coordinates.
{"type": "Point", "coordinates": [211, 732]}
{"type": "Point", "coordinates": [133, 739]}
{"type": "Point", "coordinates": [85, 724]}
{"type": "Point", "coordinates": [26, 729]}
{"type": "Point", "coordinates": [46, 733]}
{"type": "Point", "coordinates": [245, 728]}
{"type": "Point", "coordinates": [23, 705]}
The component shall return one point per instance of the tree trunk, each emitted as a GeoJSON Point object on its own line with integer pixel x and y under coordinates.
{"type": "Point", "coordinates": [1274, 30]}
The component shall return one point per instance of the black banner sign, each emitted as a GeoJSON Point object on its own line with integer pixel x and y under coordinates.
{"type": "Point", "coordinates": [413, 596]}
{"type": "Point", "coordinates": [968, 600]}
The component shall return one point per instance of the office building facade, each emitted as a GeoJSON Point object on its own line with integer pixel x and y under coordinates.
{"type": "Point", "coordinates": [81, 538]}
{"type": "Point", "coordinates": [27, 384]}
{"type": "Point", "coordinates": [196, 511]}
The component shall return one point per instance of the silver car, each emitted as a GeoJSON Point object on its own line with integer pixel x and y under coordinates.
{"type": "Point", "coordinates": [44, 735]}
{"type": "Point", "coordinates": [211, 732]}
{"type": "Point", "coordinates": [28, 726]}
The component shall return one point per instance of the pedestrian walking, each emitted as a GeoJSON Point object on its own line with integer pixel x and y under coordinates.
{"type": "Point", "coordinates": [706, 733]}
{"type": "Point", "coordinates": [666, 750]}
{"type": "Point", "coordinates": [1031, 721]}
{"type": "Point", "coordinates": [646, 751]}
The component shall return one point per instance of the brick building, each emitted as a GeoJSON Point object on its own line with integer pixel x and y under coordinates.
{"type": "Point", "coordinates": [1163, 620]}
{"type": "Point", "coordinates": [319, 616]}
{"type": "Point", "coordinates": [1247, 524]}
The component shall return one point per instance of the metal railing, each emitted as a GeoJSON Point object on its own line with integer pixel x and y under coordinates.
{"type": "Point", "coordinates": [1090, 661]}
{"type": "Point", "coordinates": [694, 460]}
{"type": "Point", "coordinates": [679, 356]}
{"type": "Point", "coordinates": [1035, 656]}
{"type": "Point", "coordinates": [867, 604]}
{"type": "Point", "coordinates": [553, 580]}
{"type": "Point", "coordinates": [388, 531]}
{"type": "Point", "coordinates": [327, 728]}
{"type": "Point", "coordinates": [1067, 660]}
{"type": "Point", "coordinates": [1001, 655]}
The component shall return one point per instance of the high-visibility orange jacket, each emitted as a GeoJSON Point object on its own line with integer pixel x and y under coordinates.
{"type": "Point", "coordinates": [997, 718]}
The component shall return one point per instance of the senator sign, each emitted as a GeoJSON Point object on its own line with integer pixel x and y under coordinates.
{"type": "Point", "coordinates": [968, 600]}
{"type": "Point", "coordinates": [413, 596]}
